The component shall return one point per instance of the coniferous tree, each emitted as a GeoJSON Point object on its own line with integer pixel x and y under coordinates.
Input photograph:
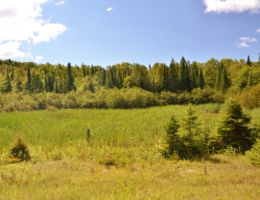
{"type": "Point", "coordinates": [70, 85]}
{"type": "Point", "coordinates": [150, 67]}
{"type": "Point", "coordinates": [201, 80]}
{"type": "Point", "coordinates": [224, 80]}
{"type": "Point", "coordinates": [219, 76]}
{"type": "Point", "coordinates": [28, 82]}
{"type": "Point", "coordinates": [249, 81]}
{"type": "Point", "coordinates": [248, 62]}
{"type": "Point", "coordinates": [172, 139]}
{"type": "Point", "coordinates": [233, 128]}
{"type": "Point", "coordinates": [184, 76]}
{"type": "Point", "coordinates": [12, 74]}
{"type": "Point", "coordinates": [7, 82]}
{"type": "Point", "coordinates": [194, 75]}
{"type": "Point", "coordinates": [173, 77]}
{"type": "Point", "coordinates": [92, 70]}
{"type": "Point", "coordinates": [83, 70]}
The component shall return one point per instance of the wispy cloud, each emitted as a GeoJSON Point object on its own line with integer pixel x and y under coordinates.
{"type": "Point", "coordinates": [229, 6]}
{"type": "Point", "coordinates": [242, 45]}
{"type": "Point", "coordinates": [38, 59]}
{"type": "Point", "coordinates": [244, 40]}
{"type": "Point", "coordinates": [248, 39]}
{"type": "Point", "coordinates": [60, 3]}
{"type": "Point", "coordinates": [258, 31]}
{"type": "Point", "coordinates": [109, 9]}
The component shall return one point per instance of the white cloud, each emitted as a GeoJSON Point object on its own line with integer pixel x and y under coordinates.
{"type": "Point", "coordinates": [258, 30]}
{"type": "Point", "coordinates": [10, 50]}
{"type": "Point", "coordinates": [248, 39]}
{"type": "Point", "coordinates": [60, 3]}
{"type": "Point", "coordinates": [244, 40]}
{"type": "Point", "coordinates": [228, 6]}
{"type": "Point", "coordinates": [22, 22]}
{"type": "Point", "coordinates": [109, 9]}
{"type": "Point", "coordinates": [242, 45]}
{"type": "Point", "coordinates": [38, 59]}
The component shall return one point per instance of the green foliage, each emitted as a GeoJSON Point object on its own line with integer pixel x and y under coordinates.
{"type": "Point", "coordinates": [19, 150]}
{"type": "Point", "coordinates": [254, 153]}
{"type": "Point", "coordinates": [233, 128]}
{"type": "Point", "coordinates": [172, 142]}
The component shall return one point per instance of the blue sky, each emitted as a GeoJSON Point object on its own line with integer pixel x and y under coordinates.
{"type": "Point", "coordinates": [107, 32]}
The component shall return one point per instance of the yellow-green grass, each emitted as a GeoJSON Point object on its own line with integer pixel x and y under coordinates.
{"type": "Point", "coordinates": [65, 166]}
{"type": "Point", "coordinates": [226, 177]}
{"type": "Point", "coordinates": [117, 127]}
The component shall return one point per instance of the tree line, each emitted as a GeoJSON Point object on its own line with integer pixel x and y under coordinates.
{"type": "Point", "coordinates": [225, 77]}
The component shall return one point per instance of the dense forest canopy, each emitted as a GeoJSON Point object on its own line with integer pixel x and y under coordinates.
{"type": "Point", "coordinates": [222, 78]}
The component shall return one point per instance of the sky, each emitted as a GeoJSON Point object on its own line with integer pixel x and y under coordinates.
{"type": "Point", "coordinates": [107, 32]}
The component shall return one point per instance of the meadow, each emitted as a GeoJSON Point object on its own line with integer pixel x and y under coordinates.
{"type": "Point", "coordinates": [120, 160]}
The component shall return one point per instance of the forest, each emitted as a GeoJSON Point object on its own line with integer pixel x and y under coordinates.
{"type": "Point", "coordinates": [31, 86]}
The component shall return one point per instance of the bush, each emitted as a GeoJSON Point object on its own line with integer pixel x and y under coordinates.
{"type": "Point", "coordinates": [19, 150]}
{"type": "Point", "coordinates": [254, 154]}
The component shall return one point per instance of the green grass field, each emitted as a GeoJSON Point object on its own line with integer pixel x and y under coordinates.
{"type": "Point", "coordinates": [65, 166]}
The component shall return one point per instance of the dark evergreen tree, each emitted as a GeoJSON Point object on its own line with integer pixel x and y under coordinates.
{"type": "Point", "coordinates": [165, 78]}
{"type": "Point", "coordinates": [172, 139]}
{"type": "Point", "coordinates": [7, 82]}
{"type": "Point", "coordinates": [224, 80]}
{"type": "Point", "coordinates": [70, 84]}
{"type": "Point", "coordinates": [150, 67]}
{"type": "Point", "coordinates": [184, 76]}
{"type": "Point", "coordinates": [92, 70]}
{"type": "Point", "coordinates": [233, 128]}
{"type": "Point", "coordinates": [219, 76]}
{"type": "Point", "coordinates": [12, 74]}
{"type": "Point", "coordinates": [249, 81]}
{"type": "Point", "coordinates": [248, 62]}
{"type": "Point", "coordinates": [28, 82]}
{"type": "Point", "coordinates": [194, 75]}
{"type": "Point", "coordinates": [84, 70]}
{"type": "Point", "coordinates": [173, 77]}
{"type": "Point", "coordinates": [201, 80]}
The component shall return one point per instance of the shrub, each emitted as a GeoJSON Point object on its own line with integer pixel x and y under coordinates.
{"type": "Point", "coordinates": [19, 150]}
{"type": "Point", "coordinates": [254, 153]}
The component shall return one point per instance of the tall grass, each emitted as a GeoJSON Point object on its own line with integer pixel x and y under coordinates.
{"type": "Point", "coordinates": [125, 128]}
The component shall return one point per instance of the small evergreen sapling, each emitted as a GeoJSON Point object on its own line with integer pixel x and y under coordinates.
{"type": "Point", "coordinates": [233, 129]}
{"type": "Point", "coordinates": [172, 139]}
{"type": "Point", "coordinates": [19, 150]}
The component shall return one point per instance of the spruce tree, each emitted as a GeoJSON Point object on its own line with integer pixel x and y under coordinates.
{"type": "Point", "coordinates": [190, 123]}
{"type": "Point", "coordinates": [150, 67]}
{"type": "Point", "coordinates": [28, 82]}
{"type": "Point", "coordinates": [173, 77]}
{"type": "Point", "coordinates": [224, 80]}
{"type": "Point", "coordinates": [184, 76]}
{"type": "Point", "coordinates": [219, 76]}
{"type": "Point", "coordinates": [70, 85]}
{"type": "Point", "coordinates": [201, 80]}
{"type": "Point", "coordinates": [233, 128]}
{"type": "Point", "coordinates": [84, 70]}
{"type": "Point", "coordinates": [248, 62]}
{"type": "Point", "coordinates": [7, 82]}
{"type": "Point", "coordinates": [172, 139]}
{"type": "Point", "coordinates": [92, 70]}
{"type": "Point", "coordinates": [249, 81]}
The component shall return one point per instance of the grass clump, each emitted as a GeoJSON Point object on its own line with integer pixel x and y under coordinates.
{"type": "Point", "coordinates": [18, 151]}
{"type": "Point", "coordinates": [254, 154]}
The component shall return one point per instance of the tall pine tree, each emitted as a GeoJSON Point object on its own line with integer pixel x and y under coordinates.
{"type": "Point", "coordinates": [248, 62]}
{"type": "Point", "coordinates": [70, 85]}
